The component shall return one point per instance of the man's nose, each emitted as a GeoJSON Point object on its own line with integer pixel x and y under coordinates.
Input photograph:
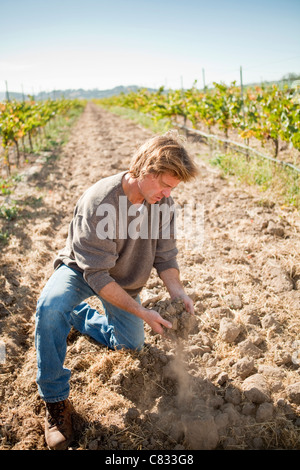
{"type": "Point", "coordinates": [166, 192]}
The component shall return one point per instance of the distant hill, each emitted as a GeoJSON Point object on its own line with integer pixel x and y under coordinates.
{"type": "Point", "coordinates": [80, 93]}
{"type": "Point", "coordinates": [73, 94]}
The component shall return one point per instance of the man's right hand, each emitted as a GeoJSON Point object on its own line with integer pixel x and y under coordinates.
{"type": "Point", "coordinates": [155, 321]}
{"type": "Point", "coordinates": [114, 294]}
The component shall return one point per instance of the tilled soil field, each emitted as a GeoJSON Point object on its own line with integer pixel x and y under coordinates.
{"type": "Point", "coordinates": [227, 379]}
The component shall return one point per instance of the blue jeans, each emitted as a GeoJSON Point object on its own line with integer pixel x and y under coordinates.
{"type": "Point", "coordinates": [60, 307]}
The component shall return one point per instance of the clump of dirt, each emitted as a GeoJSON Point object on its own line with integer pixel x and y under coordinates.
{"type": "Point", "coordinates": [183, 323]}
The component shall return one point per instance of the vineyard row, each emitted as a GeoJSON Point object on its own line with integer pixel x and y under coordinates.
{"type": "Point", "coordinates": [265, 113]}
{"type": "Point", "coordinates": [26, 118]}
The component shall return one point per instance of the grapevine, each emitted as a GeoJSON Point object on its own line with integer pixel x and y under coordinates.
{"type": "Point", "coordinates": [20, 119]}
{"type": "Point", "coordinates": [264, 113]}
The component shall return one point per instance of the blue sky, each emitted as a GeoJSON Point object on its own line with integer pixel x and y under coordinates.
{"type": "Point", "coordinates": [101, 44]}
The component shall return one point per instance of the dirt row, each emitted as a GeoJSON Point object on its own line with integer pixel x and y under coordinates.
{"type": "Point", "coordinates": [227, 380]}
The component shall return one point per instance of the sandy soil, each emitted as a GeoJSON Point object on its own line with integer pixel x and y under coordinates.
{"type": "Point", "coordinates": [231, 381]}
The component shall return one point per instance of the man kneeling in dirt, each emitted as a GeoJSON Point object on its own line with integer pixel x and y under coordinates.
{"type": "Point", "coordinates": [107, 257]}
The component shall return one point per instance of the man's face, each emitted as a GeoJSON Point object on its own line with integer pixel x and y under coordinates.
{"type": "Point", "coordinates": [155, 187]}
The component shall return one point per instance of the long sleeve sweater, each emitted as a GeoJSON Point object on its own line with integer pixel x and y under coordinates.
{"type": "Point", "coordinates": [110, 239]}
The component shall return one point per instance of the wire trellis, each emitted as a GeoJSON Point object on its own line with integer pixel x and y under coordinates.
{"type": "Point", "coordinates": [244, 147]}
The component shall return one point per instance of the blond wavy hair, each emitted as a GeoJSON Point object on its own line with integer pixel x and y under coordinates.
{"type": "Point", "coordinates": [163, 154]}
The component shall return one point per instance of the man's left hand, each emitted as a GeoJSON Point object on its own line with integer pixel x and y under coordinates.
{"type": "Point", "coordinates": [189, 304]}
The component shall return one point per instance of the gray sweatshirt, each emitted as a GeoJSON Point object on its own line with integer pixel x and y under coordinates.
{"type": "Point", "coordinates": [110, 239]}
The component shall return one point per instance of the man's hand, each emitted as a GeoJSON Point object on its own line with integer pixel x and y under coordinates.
{"type": "Point", "coordinates": [156, 321]}
{"type": "Point", "coordinates": [189, 304]}
{"type": "Point", "coordinates": [114, 294]}
{"type": "Point", "coordinates": [170, 278]}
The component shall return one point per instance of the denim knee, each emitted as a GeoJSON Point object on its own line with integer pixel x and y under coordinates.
{"type": "Point", "coordinates": [139, 343]}
{"type": "Point", "coordinates": [133, 343]}
{"type": "Point", "coordinates": [42, 313]}
{"type": "Point", "coordinates": [48, 314]}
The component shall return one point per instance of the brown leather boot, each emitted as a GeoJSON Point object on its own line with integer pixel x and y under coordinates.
{"type": "Point", "coordinates": [58, 425]}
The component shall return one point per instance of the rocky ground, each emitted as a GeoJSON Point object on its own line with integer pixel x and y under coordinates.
{"type": "Point", "coordinates": [227, 379]}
